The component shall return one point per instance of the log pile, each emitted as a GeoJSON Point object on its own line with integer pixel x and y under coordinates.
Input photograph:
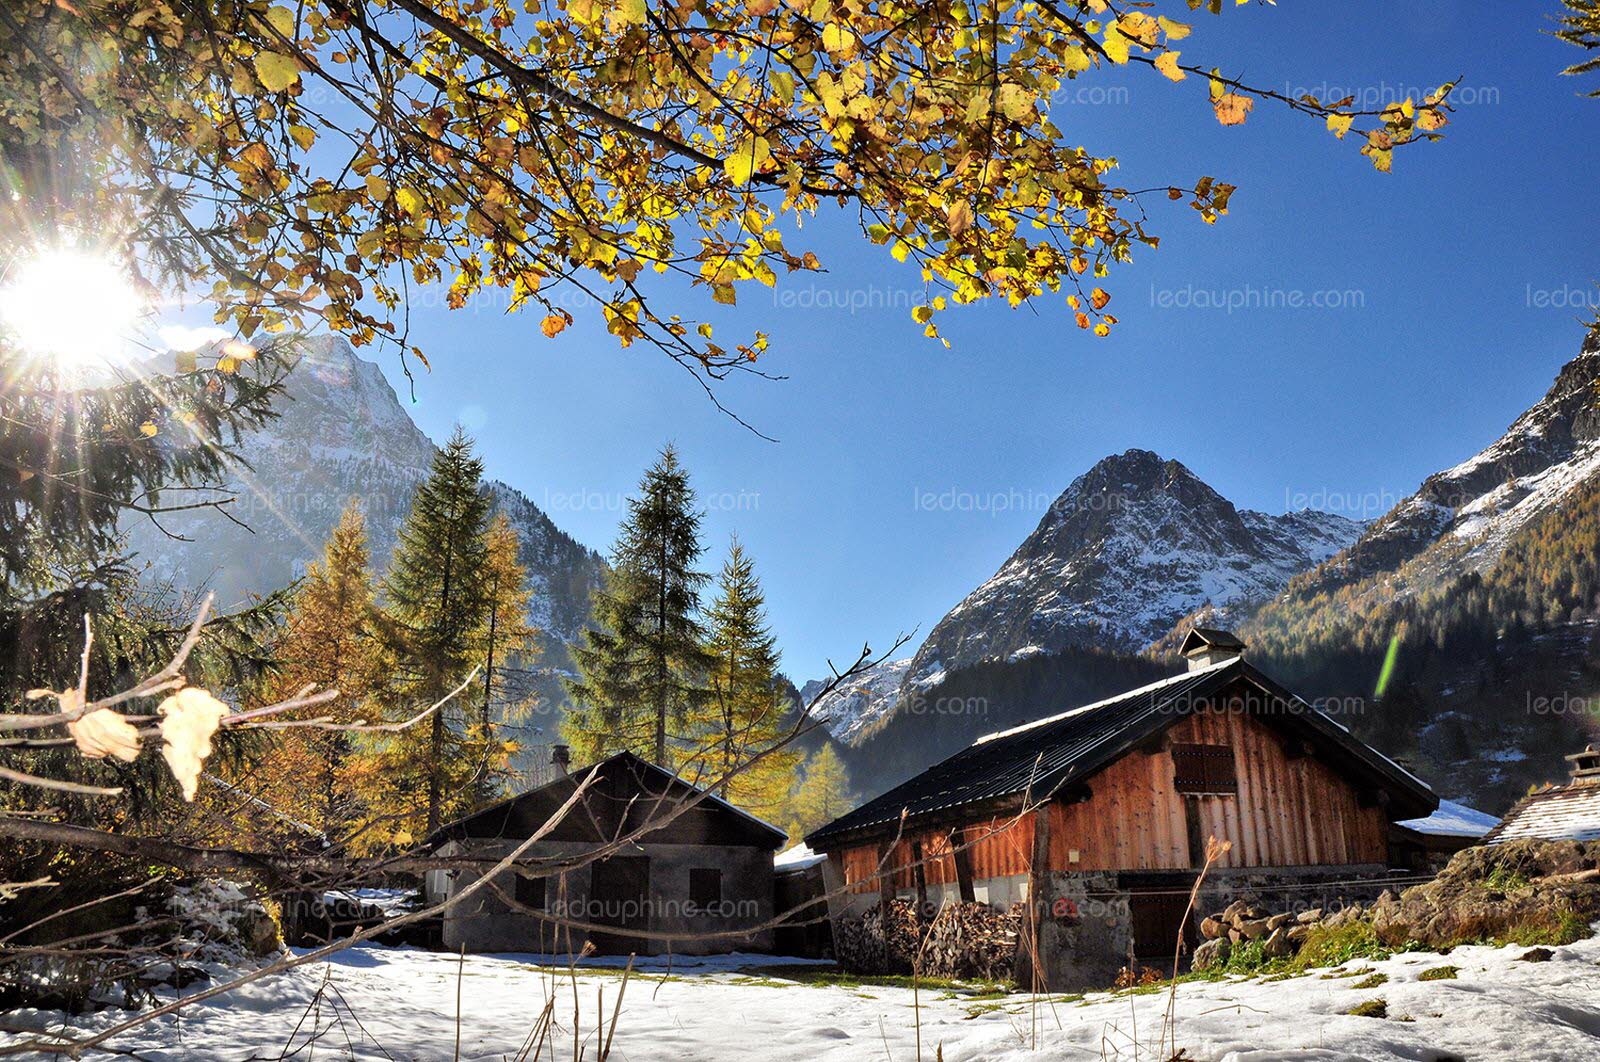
{"type": "Point", "coordinates": [972, 941]}
{"type": "Point", "coordinates": [966, 940]}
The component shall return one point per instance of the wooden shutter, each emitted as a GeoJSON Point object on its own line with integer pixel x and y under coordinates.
{"type": "Point", "coordinates": [1204, 769]}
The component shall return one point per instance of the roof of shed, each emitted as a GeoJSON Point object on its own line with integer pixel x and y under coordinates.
{"type": "Point", "coordinates": [1040, 758]}
{"type": "Point", "coordinates": [624, 765]}
{"type": "Point", "coordinates": [1566, 813]}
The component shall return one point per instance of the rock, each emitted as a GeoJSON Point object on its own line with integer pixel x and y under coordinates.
{"type": "Point", "coordinates": [1255, 928]}
{"type": "Point", "coordinates": [1213, 953]}
{"type": "Point", "coordinates": [1212, 929]}
{"type": "Point", "coordinates": [1279, 920]}
{"type": "Point", "coordinates": [1297, 934]}
{"type": "Point", "coordinates": [1235, 937]}
{"type": "Point", "coordinates": [1502, 892]}
{"type": "Point", "coordinates": [1536, 955]}
{"type": "Point", "coordinates": [1277, 945]}
{"type": "Point", "coordinates": [1307, 917]}
{"type": "Point", "coordinates": [1343, 916]}
{"type": "Point", "coordinates": [1234, 912]}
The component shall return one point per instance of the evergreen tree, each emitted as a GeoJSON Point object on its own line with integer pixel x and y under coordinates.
{"type": "Point", "coordinates": [436, 599]}
{"type": "Point", "coordinates": [744, 717]}
{"type": "Point", "coordinates": [642, 671]}
{"type": "Point", "coordinates": [822, 795]}
{"type": "Point", "coordinates": [326, 641]}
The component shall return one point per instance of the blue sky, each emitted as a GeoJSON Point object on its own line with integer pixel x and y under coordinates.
{"type": "Point", "coordinates": [862, 516]}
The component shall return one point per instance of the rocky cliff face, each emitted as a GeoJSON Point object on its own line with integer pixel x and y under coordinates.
{"type": "Point", "coordinates": [1132, 545]}
{"type": "Point", "coordinates": [343, 434]}
{"type": "Point", "coordinates": [1460, 518]}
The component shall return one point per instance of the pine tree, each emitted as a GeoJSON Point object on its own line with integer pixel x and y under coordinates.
{"type": "Point", "coordinates": [326, 641]}
{"type": "Point", "coordinates": [642, 670]}
{"type": "Point", "coordinates": [744, 717]}
{"type": "Point", "coordinates": [435, 603]}
{"type": "Point", "coordinates": [822, 795]}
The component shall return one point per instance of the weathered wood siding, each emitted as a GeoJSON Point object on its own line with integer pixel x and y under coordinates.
{"type": "Point", "coordinates": [999, 847]}
{"type": "Point", "coordinates": [1289, 811]}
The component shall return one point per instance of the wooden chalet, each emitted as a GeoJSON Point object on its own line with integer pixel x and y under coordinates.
{"type": "Point", "coordinates": [707, 869]}
{"type": "Point", "coordinates": [1568, 812]}
{"type": "Point", "coordinates": [1099, 817]}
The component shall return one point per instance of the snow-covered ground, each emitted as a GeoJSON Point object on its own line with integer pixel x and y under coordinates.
{"type": "Point", "coordinates": [400, 1003]}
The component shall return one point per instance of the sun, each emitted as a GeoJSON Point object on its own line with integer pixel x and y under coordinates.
{"type": "Point", "coordinates": [75, 307]}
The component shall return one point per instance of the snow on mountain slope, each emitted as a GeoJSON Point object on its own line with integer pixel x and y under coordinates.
{"type": "Point", "coordinates": [1461, 518]}
{"type": "Point", "coordinates": [1128, 548]}
{"type": "Point", "coordinates": [853, 708]}
{"type": "Point", "coordinates": [342, 434]}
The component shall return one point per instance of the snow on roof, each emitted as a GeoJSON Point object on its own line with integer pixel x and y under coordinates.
{"type": "Point", "coordinates": [1453, 820]}
{"type": "Point", "coordinates": [797, 858]}
{"type": "Point", "coordinates": [1181, 676]}
{"type": "Point", "coordinates": [1568, 813]}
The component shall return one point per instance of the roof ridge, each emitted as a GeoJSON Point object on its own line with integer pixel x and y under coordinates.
{"type": "Point", "coordinates": [1170, 680]}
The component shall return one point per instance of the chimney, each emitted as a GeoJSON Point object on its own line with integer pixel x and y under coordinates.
{"type": "Point", "coordinates": [1585, 766]}
{"type": "Point", "coordinates": [561, 757]}
{"type": "Point", "coordinates": [1205, 646]}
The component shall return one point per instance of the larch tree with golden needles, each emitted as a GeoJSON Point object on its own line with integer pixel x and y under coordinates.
{"type": "Point", "coordinates": [506, 636]}
{"type": "Point", "coordinates": [327, 640]}
{"type": "Point", "coordinates": [326, 158]}
{"type": "Point", "coordinates": [745, 717]}
{"type": "Point", "coordinates": [822, 795]}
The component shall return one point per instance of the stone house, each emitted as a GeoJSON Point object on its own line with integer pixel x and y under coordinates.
{"type": "Point", "coordinates": [699, 883]}
{"type": "Point", "coordinates": [1568, 812]}
{"type": "Point", "coordinates": [1099, 817]}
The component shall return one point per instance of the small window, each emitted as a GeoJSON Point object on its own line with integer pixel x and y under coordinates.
{"type": "Point", "coordinates": [530, 892]}
{"type": "Point", "coordinates": [705, 887]}
{"type": "Point", "coordinates": [1204, 769]}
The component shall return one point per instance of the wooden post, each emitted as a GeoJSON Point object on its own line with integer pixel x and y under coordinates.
{"type": "Point", "coordinates": [963, 858]}
{"type": "Point", "coordinates": [919, 875]}
{"type": "Point", "coordinates": [1031, 943]}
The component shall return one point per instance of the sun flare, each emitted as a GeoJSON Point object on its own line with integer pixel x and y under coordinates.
{"type": "Point", "coordinates": [73, 306]}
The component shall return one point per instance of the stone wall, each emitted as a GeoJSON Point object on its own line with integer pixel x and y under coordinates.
{"type": "Point", "coordinates": [483, 923]}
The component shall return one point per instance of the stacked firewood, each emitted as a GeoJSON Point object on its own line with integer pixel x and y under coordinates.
{"type": "Point", "coordinates": [967, 940]}
{"type": "Point", "coordinates": [972, 941]}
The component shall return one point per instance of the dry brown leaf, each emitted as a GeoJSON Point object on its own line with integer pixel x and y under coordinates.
{"type": "Point", "coordinates": [105, 733]}
{"type": "Point", "coordinates": [189, 719]}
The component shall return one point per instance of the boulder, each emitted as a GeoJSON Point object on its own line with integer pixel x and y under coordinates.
{"type": "Point", "coordinates": [1297, 934]}
{"type": "Point", "coordinates": [1213, 953]}
{"type": "Point", "coordinates": [1212, 929]}
{"type": "Point", "coordinates": [1307, 917]}
{"type": "Point", "coordinates": [1274, 921]}
{"type": "Point", "coordinates": [1536, 955]}
{"type": "Point", "coordinates": [1278, 945]}
{"type": "Point", "coordinates": [1234, 912]}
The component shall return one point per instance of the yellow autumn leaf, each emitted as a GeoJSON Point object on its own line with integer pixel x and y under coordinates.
{"type": "Point", "coordinates": [277, 72]}
{"type": "Point", "coordinates": [148, 429]}
{"type": "Point", "coordinates": [1339, 124]}
{"type": "Point", "coordinates": [303, 135]}
{"type": "Point", "coordinates": [1232, 108]}
{"type": "Point", "coordinates": [627, 13]}
{"type": "Point", "coordinates": [1175, 31]}
{"type": "Point", "coordinates": [189, 719]}
{"type": "Point", "coordinates": [1116, 45]}
{"type": "Point", "coordinates": [1167, 63]}
{"type": "Point", "coordinates": [747, 159]}
{"type": "Point", "coordinates": [1099, 297]}
{"type": "Point", "coordinates": [958, 217]}
{"type": "Point", "coordinates": [553, 326]}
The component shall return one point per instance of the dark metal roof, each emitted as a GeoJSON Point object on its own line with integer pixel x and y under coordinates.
{"type": "Point", "coordinates": [1041, 758]}
{"type": "Point", "coordinates": [640, 789]}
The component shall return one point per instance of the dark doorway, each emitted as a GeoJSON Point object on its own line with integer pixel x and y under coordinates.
{"type": "Point", "coordinates": [1156, 913]}
{"type": "Point", "coordinates": [619, 895]}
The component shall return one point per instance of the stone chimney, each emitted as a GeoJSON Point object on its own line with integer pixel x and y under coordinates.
{"type": "Point", "coordinates": [561, 757]}
{"type": "Point", "coordinates": [1585, 766]}
{"type": "Point", "coordinates": [1204, 646]}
